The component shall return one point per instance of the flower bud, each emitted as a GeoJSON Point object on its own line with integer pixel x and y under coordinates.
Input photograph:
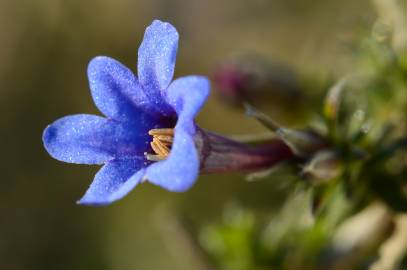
{"type": "Point", "coordinates": [255, 79]}
{"type": "Point", "coordinates": [324, 166]}
{"type": "Point", "coordinates": [333, 100]}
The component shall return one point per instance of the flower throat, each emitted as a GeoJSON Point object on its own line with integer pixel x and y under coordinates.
{"type": "Point", "coordinates": [161, 143]}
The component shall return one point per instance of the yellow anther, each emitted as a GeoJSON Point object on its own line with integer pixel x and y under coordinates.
{"type": "Point", "coordinates": [162, 148]}
{"type": "Point", "coordinates": [161, 131]}
{"type": "Point", "coordinates": [161, 143]}
{"type": "Point", "coordinates": [166, 139]}
{"type": "Point", "coordinates": [155, 157]}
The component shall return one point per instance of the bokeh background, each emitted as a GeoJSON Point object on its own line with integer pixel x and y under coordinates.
{"type": "Point", "coordinates": [44, 51]}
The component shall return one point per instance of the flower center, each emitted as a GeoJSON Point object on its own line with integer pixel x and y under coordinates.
{"type": "Point", "coordinates": [161, 143]}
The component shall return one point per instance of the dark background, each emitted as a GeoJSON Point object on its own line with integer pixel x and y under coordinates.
{"type": "Point", "coordinates": [44, 51]}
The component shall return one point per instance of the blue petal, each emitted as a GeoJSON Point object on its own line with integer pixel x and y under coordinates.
{"type": "Point", "coordinates": [156, 55]}
{"type": "Point", "coordinates": [156, 59]}
{"type": "Point", "coordinates": [187, 95]}
{"type": "Point", "coordinates": [91, 139]}
{"type": "Point", "coordinates": [115, 89]}
{"type": "Point", "coordinates": [114, 181]}
{"type": "Point", "coordinates": [180, 170]}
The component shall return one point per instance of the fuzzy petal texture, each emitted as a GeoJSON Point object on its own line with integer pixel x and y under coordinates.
{"type": "Point", "coordinates": [157, 55]}
{"type": "Point", "coordinates": [83, 139]}
{"type": "Point", "coordinates": [114, 181]}
{"type": "Point", "coordinates": [156, 61]}
{"type": "Point", "coordinates": [187, 95]}
{"type": "Point", "coordinates": [115, 89]}
{"type": "Point", "coordinates": [91, 139]}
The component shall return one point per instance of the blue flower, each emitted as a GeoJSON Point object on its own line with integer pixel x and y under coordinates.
{"type": "Point", "coordinates": [148, 130]}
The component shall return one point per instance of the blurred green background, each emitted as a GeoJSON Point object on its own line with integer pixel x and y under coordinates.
{"type": "Point", "coordinates": [44, 50]}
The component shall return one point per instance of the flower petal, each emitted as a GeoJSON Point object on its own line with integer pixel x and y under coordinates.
{"type": "Point", "coordinates": [156, 57]}
{"type": "Point", "coordinates": [114, 181]}
{"type": "Point", "coordinates": [180, 170]}
{"type": "Point", "coordinates": [115, 89]}
{"type": "Point", "coordinates": [91, 139]}
{"type": "Point", "coordinates": [187, 95]}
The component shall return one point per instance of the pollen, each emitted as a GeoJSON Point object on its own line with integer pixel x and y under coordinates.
{"type": "Point", "coordinates": [161, 143]}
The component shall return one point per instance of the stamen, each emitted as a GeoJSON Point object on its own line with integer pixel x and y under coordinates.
{"type": "Point", "coordinates": [155, 157]}
{"type": "Point", "coordinates": [163, 149]}
{"type": "Point", "coordinates": [165, 138]}
{"type": "Point", "coordinates": [161, 143]}
{"type": "Point", "coordinates": [156, 148]}
{"type": "Point", "coordinates": [161, 131]}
